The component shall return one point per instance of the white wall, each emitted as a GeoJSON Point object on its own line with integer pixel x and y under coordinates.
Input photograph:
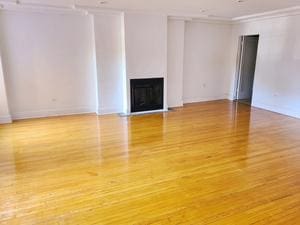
{"type": "Point", "coordinates": [175, 62]}
{"type": "Point", "coordinates": [277, 76]}
{"type": "Point", "coordinates": [108, 39]}
{"type": "Point", "coordinates": [4, 110]}
{"type": "Point", "coordinates": [206, 61]}
{"type": "Point", "coordinates": [146, 47]}
{"type": "Point", "coordinates": [49, 63]}
{"type": "Point", "coordinates": [50, 66]}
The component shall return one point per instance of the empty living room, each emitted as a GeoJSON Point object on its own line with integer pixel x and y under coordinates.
{"type": "Point", "coordinates": [138, 112]}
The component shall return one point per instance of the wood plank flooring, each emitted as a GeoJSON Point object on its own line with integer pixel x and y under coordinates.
{"type": "Point", "coordinates": [208, 163]}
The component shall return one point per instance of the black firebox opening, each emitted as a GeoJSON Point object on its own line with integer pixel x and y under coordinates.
{"type": "Point", "coordinates": [147, 94]}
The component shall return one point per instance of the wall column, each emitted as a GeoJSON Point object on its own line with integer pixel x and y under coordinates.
{"type": "Point", "coordinates": [5, 116]}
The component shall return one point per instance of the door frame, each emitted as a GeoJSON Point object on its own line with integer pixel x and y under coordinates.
{"type": "Point", "coordinates": [239, 63]}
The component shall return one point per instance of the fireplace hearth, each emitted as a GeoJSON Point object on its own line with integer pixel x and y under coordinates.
{"type": "Point", "coordinates": [147, 94]}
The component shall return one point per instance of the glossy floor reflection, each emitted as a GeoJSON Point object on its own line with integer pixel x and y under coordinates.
{"type": "Point", "coordinates": [208, 163]}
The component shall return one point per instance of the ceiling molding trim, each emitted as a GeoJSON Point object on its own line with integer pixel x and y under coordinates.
{"type": "Point", "coordinates": [100, 11]}
{"type": "Point", "coordinates": [292, 11]}
{"type": "Point", "coordinates": [181, 18]}
{"type": "Point", "coordinates": [121, 10]}
{"type": "Point", "coordinates": [13, 5]}
{"type": "Point", "coordinates": [8, 1]}
{"type": "Point", "coordinates": [34, 8]}
{"type": "Point", "coordinates": [212, 20]}
{"type": "Point", "coordinates": [45, 5]}
{"type": "Point", "coordinates": [147, 12]}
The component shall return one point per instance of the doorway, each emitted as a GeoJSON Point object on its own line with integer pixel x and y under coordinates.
{"type": "Point", "coordinates": [246, 68]}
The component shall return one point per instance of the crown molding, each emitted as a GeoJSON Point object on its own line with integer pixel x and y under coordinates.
{"type": "Point", "coordinates": [97, 10]}
{"type": "Point", "coordinates": [202, 19]}
{"type": "Point", "coordinates": [212, 20]}
{"type": "Point", "coordinates": [107, 10]}
{"type": "Point", "coordinates": [292, 11]}
{"type": "Point", "coordinates": [181, 18]}
{"type": "Point", "coordinates": [14, 5]}
{"type": "Point", "coordinates": [8, 1]}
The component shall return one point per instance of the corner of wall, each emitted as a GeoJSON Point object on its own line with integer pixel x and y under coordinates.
{"type": "Point", "coordinates": [126, 104]}
{"type": "Point", "coordinates": [5, 119]}
{"type": "Point", "coordinates": [92, 18]}
{"type": "Point", "coordinates": [5, 116]}
{"type": "Point", "coordinates": [107, 111]}
{"type": "Point", "coordinates": [276, 108]}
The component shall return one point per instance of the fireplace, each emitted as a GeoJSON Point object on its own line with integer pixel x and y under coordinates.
{"type": "Point", "coordinates": [146, 94]}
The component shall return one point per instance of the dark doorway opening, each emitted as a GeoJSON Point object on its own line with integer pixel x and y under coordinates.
{"type": "Point", "coordinates": [246, 68]}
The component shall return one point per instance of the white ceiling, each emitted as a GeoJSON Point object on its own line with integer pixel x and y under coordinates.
{"type": "Point", "coordinates": [218, 8]}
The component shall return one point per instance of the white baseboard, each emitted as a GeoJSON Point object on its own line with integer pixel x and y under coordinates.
{"type": "Point", "coordinates": [107, 111]}
{"type": "Point", "coordinates": [230, 97]}
{"type": "Point", "coordinates": [277, 109]}
{"type": "Point", "coordinates": [51, 112]}
{"type": "Point", "coordinates": [5, 119]}
{"type": "Point", "coordinates": [204, 99]}
{"type": "Point", "coordinates": [175, 105]}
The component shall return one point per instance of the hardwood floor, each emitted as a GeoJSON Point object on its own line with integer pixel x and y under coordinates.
{"type": "Point", "coordinates": [208, 163]}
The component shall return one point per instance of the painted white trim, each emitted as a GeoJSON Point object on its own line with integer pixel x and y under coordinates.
{"type": "Point", "coordinates": [37, 8]}
{"type": "Point", "coordinates": [118, 10]}
{"type": "Point", "coordinates": [5, 119]}
{"type": "Point", "coordinates": [292, 11]}
{"type": "Point", "coordinates": [107, 111]}
{"type": "Point", "coordinates": [198, 17]}
{"type": "Point", "coordinates": [277, 109]}
{"type": "Point", "coordinates": [95, 63]}
{"type": "Point", "coordinates": [231, 96]}
{"type": "Point", "coordinates": [202, 19]}
{"type": "Point", "coordinates": [51, 113]}
{"type": "Point", "coordinates": [181, 18]}
{"type": "Point", "coordinates": [99, 11]}
{"type": "Point", "coordinates": [212, 20]}
{"type": "Point", "coordinates": [176, 105]}
{"type": "Point", "coordinates": [205, 99]}
{"type": "Point", "coordinates": [8, 1]}
{"type": "Point", "coordinates": [45, 5]}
